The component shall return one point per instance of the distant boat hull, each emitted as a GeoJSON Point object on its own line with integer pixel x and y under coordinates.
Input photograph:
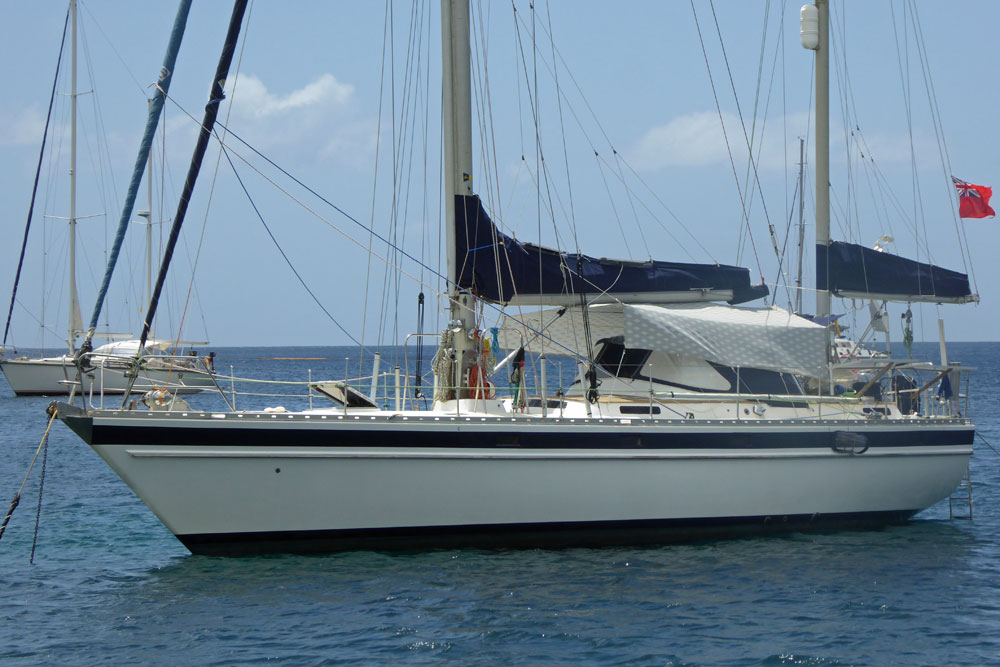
{"type": "Point", "coordinates": [53, 376]}
{"type": "Point", "coordinates": [260, 483]}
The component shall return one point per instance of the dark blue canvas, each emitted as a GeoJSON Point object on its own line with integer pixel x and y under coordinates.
{"type": "Point", "coordinates": [847, 267]}
{"type": "Point", "coordinates": [496, 267]}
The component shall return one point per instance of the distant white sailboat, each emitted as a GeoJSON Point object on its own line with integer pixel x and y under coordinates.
{"type": "Point", "coordinates": [702, 426]}
{"type": "Point", "coordinates": [106, 369]}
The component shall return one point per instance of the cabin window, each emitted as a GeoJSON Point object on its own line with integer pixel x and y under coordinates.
{"type": "Point", "coordinates": [551, 404]}
{"type": "Point", "coordinates": [639, 409]}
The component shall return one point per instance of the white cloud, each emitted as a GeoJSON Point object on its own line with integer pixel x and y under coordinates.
{"type": "Point", "coordinates": [692, 140]}
{"type": "Point", "coordinates": [696, 140]}
{"type": "Point", "coordinates": [320, 121]}
{"type": "Point", "coordinates": [254, 99]}
{"type": "Point", "coordinates": [23, 128]}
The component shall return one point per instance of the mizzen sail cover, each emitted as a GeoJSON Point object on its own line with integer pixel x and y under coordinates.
{"type": "Point", "coordinates": [854, 271]}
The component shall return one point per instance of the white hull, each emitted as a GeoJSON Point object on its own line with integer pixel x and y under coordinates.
{"type": "Point", "coordinates": [53, 376]}
{"type": "Point", "coordinates": [231, 495]}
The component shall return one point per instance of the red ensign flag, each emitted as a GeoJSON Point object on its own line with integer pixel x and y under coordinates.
{"type": "Point", "coordinates": [973, 200]}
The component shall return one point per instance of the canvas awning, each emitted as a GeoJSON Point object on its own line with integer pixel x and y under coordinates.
{"type": "Point", "coordinates": [768, 338]}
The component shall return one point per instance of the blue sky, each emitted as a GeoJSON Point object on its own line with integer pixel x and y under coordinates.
{"type": "Point", "coordinates": [634, 82]}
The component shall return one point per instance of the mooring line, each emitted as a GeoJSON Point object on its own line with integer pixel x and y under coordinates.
{"type": "Point", "coordinates": [17, 498]}
{"type": "Point", "coordinates": [987, 443]}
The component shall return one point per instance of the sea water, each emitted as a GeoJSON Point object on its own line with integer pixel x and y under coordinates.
{"type": "Point", "coordinates": [110, 584]}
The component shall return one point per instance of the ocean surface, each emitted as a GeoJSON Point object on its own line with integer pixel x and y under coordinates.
{"type": "Point", "coordinates": [109, 584]}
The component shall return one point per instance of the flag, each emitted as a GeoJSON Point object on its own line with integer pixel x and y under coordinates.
{"type": "Point", "coordinates": [973, 200]}
{"type": "Point", "coordinates": [944, 389]}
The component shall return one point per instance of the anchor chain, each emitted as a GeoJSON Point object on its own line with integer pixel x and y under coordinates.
{"type": "Point", "coordinates": [52, 412]}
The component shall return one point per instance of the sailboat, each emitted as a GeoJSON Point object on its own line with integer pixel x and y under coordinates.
{"type": "Point", "coordinates": [109, 368]}
{"type": "Point", "coordinates": [691, 417]}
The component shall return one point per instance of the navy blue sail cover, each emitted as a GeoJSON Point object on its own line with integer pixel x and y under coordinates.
{"type": "Point", "coordinates": [498, 268]}
{"type": "Point", "coordinates": [847, 268]}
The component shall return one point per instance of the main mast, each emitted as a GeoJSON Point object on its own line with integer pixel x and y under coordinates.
{"type": "Point", "coordinates": [75, 321]}
{"type": "Point", "coordinates": [457, 346]}
{"type": "Point", "coordinates": [456, 109]}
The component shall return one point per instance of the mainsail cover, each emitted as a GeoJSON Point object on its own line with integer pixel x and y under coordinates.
{"type": "Point", "coordinates": [501, 269]}
{"type": "Point", "coordinates": [854, 271]}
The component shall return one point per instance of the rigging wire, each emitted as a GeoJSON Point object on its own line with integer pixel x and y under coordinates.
{"type": "Point", "coordinates": [592, 144]}
{"type": "Point", "coordinates": [732, 162]}
{"type": "Point", "coordinates": [280, 249]}
{"type": "Point", "coordinates": [850, 224]}
{"type": "Point", "coordinates": [394, 199]}
{"type": "Point", "coordinates": [410, 90]}
{"type": "Point", "coordinates": [34, 188]}
{"type": "Point", "coordinates": [614, 209]}
{"type": "Point", "coordinates": [779, 47]}
{"type": "Point", "coordinates": [942, 143]}
{"type": "Point", "coordinates": [484, 101]}
{"type": "Point", "coordinates": [531, 86]}
{"type": "Point", "coordinates": [425, 215]}
{"type": "Point", "coordinates": [403, 156]}
{"type": "Point", "coordinates": [102, 168]}
{"type": "Point", "coordinates": [378, 152]}
{"type": "Point", "coordinates": [861, 157]}
{"type": "Point", "coordinates": [756, 101]}
{"type": "Point", "coordinates": [125, 64]}
{"type": "Point", "coordinates": [746, 139]}
{"type": "Point", "coordinates": [784, 104]}
{"type": "Point", "coordinates": [562, 126]}
{"type": "Point", "coordinates": [553, 72]}
{"type": "Point", "coordinates": [205, 133]}
{"type": "Point", "coordinates": [402, 252]}
{"type": "Point", "coordinates": [223, 151]}
{"type": "Point", "coordinates": [484, 105]}
{"type": "Point", "coordinates": [211, 190]}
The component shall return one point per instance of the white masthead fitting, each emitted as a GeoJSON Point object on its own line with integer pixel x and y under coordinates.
{"type": "Point", "coordinates": [809, 30]}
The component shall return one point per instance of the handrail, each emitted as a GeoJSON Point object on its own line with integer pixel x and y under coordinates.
{"type": "Point", "coordinates": [298, 389]}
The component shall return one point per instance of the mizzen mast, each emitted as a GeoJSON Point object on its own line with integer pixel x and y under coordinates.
{"type": "Point", "coordinates": [815, 36]}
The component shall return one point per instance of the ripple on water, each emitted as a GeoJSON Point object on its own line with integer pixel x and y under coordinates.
{"type": "Point", "coordinates": [111, 585]}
